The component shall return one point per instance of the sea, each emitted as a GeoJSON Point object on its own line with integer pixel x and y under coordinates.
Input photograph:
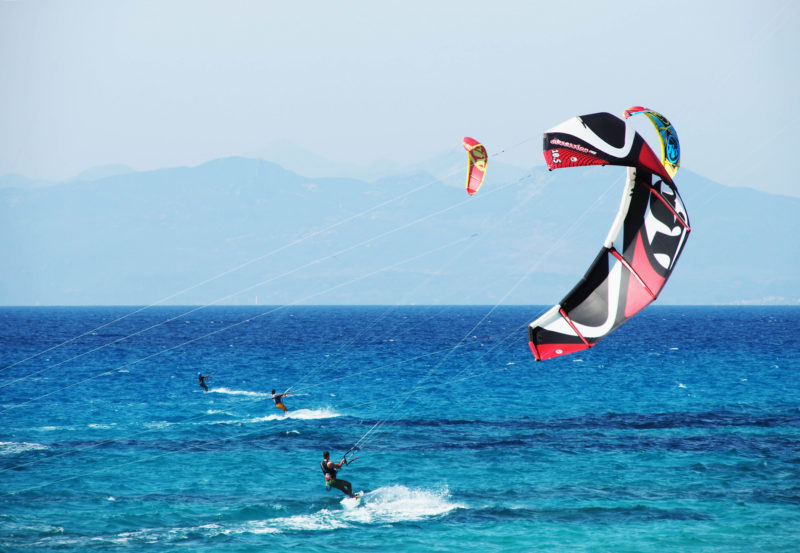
{"type": "Point", "coordinates": [680, 432]}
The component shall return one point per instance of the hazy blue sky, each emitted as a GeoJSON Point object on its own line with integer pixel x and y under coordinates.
{"type": "Point", "coordinates": [166, 83]}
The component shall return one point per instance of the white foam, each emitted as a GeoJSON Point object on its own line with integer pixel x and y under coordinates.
{"type": "Point", "coordinates": [308, 414]}
{"type": "Point", "coordinates": [140, 536]}
{"type": "Point", "coordinates": [399, 503]}
{"type": "Point", "coordinates": [382, 506]}
{"type": "Point", "coordinates": [351, 502]}
{"type": "Point", "coordinates": [53, 428]}
{"type": "Point", "coordinates": [14, 448]}
{"type": "Point", "coordinates": [159, 424]}
{"type": "Point", "coordinates": [258, 527]}
{"type": "Point", "coordinates": [247, 393]}
{"type": "Point", "coordinates": [299, 414]}
{"type": "Point", "coordinates": [321, 520]}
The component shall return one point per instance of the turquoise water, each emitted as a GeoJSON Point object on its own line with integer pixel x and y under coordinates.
{"type": "Point", "coordinates": [680, 432]}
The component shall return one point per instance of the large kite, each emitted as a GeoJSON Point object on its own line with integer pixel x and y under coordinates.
{"type": "Point", "coordinates": [641, 249]}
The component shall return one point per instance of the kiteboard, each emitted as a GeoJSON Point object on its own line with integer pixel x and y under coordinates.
{"type": "Point", "coordinates": [352, 502]}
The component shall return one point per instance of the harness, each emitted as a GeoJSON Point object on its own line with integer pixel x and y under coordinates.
{"type": "Point", "coordinates": [330, 474]}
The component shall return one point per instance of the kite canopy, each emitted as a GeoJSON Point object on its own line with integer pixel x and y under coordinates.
{"type": "Point", "coordinates": [476, 170]}
{"type": "Point", "coordinates": [670, 147]}
{"type": "Point", "coordinates": [642, 246]}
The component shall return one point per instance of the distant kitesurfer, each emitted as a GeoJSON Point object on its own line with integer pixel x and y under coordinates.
{"type": "Point", "coordinates": [329, 468]}
{"type": "Point", "coordinates": [202, 378]}
{"type": "Point", "coordinates": [278, 399]}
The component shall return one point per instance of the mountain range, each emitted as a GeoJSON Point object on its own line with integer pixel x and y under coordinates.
{"type": "Point", "coordinates": [246, 230]}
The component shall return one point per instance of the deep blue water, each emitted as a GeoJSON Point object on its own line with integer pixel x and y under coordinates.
{"type": "Point", "coordinates": [680, 432]}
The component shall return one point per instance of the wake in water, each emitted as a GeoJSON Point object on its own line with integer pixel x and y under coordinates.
{"type": "Point", "coordinates": [386, 505]}
{"type": "Point", "coordinates": [299, 414]}
{"type": "Point", "coordinates": [302, 414]}
{"type": "Point", "coordinates": [230, 392]}
{"type": "Point", "coordinates": [399, 503]}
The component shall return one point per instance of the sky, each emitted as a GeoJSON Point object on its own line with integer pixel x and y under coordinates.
{"type": "Point", "coordinates": [154, 84]}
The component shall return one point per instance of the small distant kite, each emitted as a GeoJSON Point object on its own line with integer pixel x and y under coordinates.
{"type": "Point", "coordinates": [477, 164]}
{"type": "Point", "coordinates": [670, 147]}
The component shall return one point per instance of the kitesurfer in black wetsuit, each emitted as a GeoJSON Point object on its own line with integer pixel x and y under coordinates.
{"type": "Point", "coordinates": [202, 378]}
{"type": "Point", "coordinates": [329, 468]}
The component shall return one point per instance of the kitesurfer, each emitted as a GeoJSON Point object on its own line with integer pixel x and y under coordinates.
{"type": "Point", "coordinates": [329, 468]}
{"type": "Point", "coordinates": [202, 378]}
{"type": "Point", "coordinates": [278, 399]}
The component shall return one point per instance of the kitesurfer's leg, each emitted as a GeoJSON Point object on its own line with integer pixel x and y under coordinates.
{"type": "Point", "coordinates": [348, 489]}
{"type": "Point", "coordinates": [344, 486]}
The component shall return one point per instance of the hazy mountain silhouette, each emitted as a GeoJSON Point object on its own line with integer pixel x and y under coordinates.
{"type": "Point", "coordinates": [274, 236]}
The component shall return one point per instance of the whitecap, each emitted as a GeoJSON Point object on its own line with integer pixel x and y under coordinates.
{"type": "Point", "coordinates": [98, 426]}
{"type": "Point", "coordinates": [217, 412]}
{"type": "Point", "coordinates": [13, 448]}
{"type": "Point", "coordinates": [159, 424]}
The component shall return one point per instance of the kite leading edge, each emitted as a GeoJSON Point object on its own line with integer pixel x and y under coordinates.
{"type": "Point", "coordinates": [670, 147]}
